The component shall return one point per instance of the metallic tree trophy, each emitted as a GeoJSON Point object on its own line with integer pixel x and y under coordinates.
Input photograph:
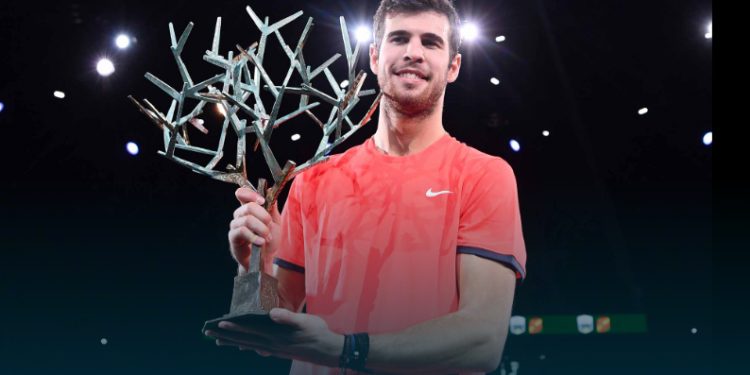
{"type": "Point", "coordinates": [255, 293]}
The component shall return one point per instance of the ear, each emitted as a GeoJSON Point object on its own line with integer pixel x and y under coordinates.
{"type": "Point", "coordinates": [374, 58]}
{"type": "Point", "coordinates": [454, 68]}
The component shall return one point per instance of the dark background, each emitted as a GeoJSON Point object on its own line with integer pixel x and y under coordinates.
{"type": "Point", "coordinates": [616, 207]}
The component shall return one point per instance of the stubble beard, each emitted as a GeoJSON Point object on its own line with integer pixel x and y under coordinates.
{"type": "Point", "coordinates": [411, 105]}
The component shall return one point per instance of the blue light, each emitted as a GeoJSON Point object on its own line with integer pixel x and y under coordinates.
{"type": "Point", "coordinates": [515, 145]}
{"type": "Point", "coordinates": [132, 148]}
{"type": "Point", "coordinates": [2, 106]}
{"type": "Point", "coordinates": [708, 138]}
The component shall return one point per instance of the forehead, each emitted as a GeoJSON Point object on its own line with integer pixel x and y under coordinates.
{"type": "Point", "coordinates": [418, 23]}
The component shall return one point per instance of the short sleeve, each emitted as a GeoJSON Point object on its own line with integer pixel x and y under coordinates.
{"type": "Point", "coordinates": [291, 251]}
{"type": "Point", "coordinates": [490, 218]}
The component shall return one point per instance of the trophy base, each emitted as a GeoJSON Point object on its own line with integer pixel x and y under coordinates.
{"type": "Point", "coordinates": [259, 319]}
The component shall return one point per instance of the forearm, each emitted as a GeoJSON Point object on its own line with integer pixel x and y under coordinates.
{"type": "Point", "coordinates": [457, 342]}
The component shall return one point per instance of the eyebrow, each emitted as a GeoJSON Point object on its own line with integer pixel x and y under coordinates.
{"type": "Point", "coordinates": [429, 36]}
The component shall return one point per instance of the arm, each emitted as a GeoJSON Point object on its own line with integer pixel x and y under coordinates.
{"type": "Point", "coordinates": [470, 339]}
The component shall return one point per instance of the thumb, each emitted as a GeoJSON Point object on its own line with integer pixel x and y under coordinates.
{"type": "Point", "coordinates": [247, 195]}
{"type": "Point", "coordinates": [286, 317]}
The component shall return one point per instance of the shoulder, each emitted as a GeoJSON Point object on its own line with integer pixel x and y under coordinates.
{"type": "Point", "coordinates": [480, 165]}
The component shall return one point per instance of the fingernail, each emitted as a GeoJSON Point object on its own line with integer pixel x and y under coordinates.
{"type": "Point", "coordinates": [261, 200]}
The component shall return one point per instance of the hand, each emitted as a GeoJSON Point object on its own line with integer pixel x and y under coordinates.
{"type": "Point", "coordinates": [253, 224]}
{"type": "Point", "coordinates": [309, 340]}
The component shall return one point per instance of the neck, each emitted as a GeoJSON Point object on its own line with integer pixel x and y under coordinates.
{"type": "Point", "coordinates": [402, 135]}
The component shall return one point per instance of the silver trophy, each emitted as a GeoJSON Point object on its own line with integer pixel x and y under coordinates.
{"type": "Point", "coordinates": [242, 78]}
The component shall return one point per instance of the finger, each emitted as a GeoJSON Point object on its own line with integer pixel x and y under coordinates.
{"type": "Point", "coordinates": [242, 236]}
{"type": "Point", "coordinates": [286, 317]}
{"type": "Point", "coordinates": [252, 223]}
{"type": "Point", "coordinates": [253, 209]}
{"type": "Point", "coordinates": [240, 346]}
{"type": "Point", "coordinates": [246, 195]}
{"type": "Point", "coordinates": [239, 338]}
{"type": "Point", "coordinates": [263, 354]}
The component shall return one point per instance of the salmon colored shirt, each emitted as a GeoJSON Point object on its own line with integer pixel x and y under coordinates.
{"type": "Point", "coordinates": [377, 236]}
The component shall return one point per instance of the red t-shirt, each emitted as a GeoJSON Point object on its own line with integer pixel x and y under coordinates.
{"type": "Point", "coordinates": [377, 236]}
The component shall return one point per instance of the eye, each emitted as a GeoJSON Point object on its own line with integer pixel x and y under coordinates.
{"type": "Point", "coordinates": [431, 43]}
{"type": "Point", "coordinates": [399, 39]}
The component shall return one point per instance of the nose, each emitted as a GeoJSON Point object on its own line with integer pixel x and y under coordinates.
{"type": "Point", "coordinates": [414, 50]}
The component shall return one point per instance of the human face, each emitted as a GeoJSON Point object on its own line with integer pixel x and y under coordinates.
{"type": "Point", "coordinates": [413, 62]}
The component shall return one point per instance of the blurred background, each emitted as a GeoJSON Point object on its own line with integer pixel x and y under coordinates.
{"type": "Point", "coordinates": [113, 256]}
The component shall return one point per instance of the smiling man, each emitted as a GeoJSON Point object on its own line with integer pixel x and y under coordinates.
{"type": "Point", "coordinates": [405, 250]}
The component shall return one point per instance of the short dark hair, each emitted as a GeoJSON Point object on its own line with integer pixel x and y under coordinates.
{"type": "Point", "coordinates": [444, 7]}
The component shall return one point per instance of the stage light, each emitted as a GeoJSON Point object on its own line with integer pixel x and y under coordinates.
{"type": "Point", "coordinates": [59, 94]}
{"type": "Point", "coordinates": [132, 148]}
{"type": "Point", "coordinates": [643, 111]}
{"type": "Point", "coordinates": [500, 38]}
{"type": "Point", "coordinates": [344, 84]}
{"type": "Point", "coordinates": [545, 133]}
{"type": "Point", "coordinates": [709, 34]}
{"type": "Point", "coordinates": [708, 138]}
{"type": "Point", "coordinates": [515, 145]}
{"type": "Point", "coordinates": [494, 81]}
{"type": "Point", "coordinates": [105, 67]}
{"type": "Point", "coordinates": [122, 41]}
{"type": "Point", "coordinates": [296, 137]}
{"type": "Point", "coordinates": [469, 32]}
{"type": "Point", "coordinates": [363, 34]}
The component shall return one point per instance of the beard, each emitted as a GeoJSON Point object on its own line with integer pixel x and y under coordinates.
{"type": "Point", "coordinates": [411, 104]}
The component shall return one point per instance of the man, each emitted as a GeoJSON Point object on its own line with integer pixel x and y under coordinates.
{"type": "Point", "coordinates": [411, 240]}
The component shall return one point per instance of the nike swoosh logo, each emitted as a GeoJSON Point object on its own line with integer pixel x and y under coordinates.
{"type": "Point", "coordinates": [431, 194]}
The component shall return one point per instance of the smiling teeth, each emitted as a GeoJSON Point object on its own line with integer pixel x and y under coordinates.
{"type": "Point", "coordinates": [410, 75]}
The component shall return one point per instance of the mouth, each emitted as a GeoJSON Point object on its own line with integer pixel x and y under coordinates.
{"type": "Point", "coordinates": [411, 74]}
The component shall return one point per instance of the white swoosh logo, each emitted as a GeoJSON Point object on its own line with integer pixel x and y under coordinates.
{"type": "Point", "coordinates": [431, 194]}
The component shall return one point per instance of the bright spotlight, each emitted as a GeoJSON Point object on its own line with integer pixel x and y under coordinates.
{"type": "Point", "coordinates": [296, 137]}
{"type": "Point", "coordinates": [105, 67]}
{"type": "Point", "coordinates": [494, 81]}
{"type": "Point", "coordinates": [515, 145]}
{"type": "Point", "coordinates": [500, 38]}
{"type": "Point", "coordinates": [469, 31]}
{"type": "Point", "coordinates": [545, 133]}
{"type": "Point", "coordinates": [363, 34]}
{"type": "Point", "coordinates": [709, 34]}
{"type": "Point", "coordinates": [59, 94]}
{"type": "Point", "coordinates": [122, 41]}
{"type": "Point", "coordinates": [132, 148]}
{"type": "Point", "coordinates": [708, 138]}
{"type": "Point", "coordinates": [344, 84]}
{"type": "Point", "coordinates": [643, 111]}
{"type": "Point", "coordinates": [2, 106]}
